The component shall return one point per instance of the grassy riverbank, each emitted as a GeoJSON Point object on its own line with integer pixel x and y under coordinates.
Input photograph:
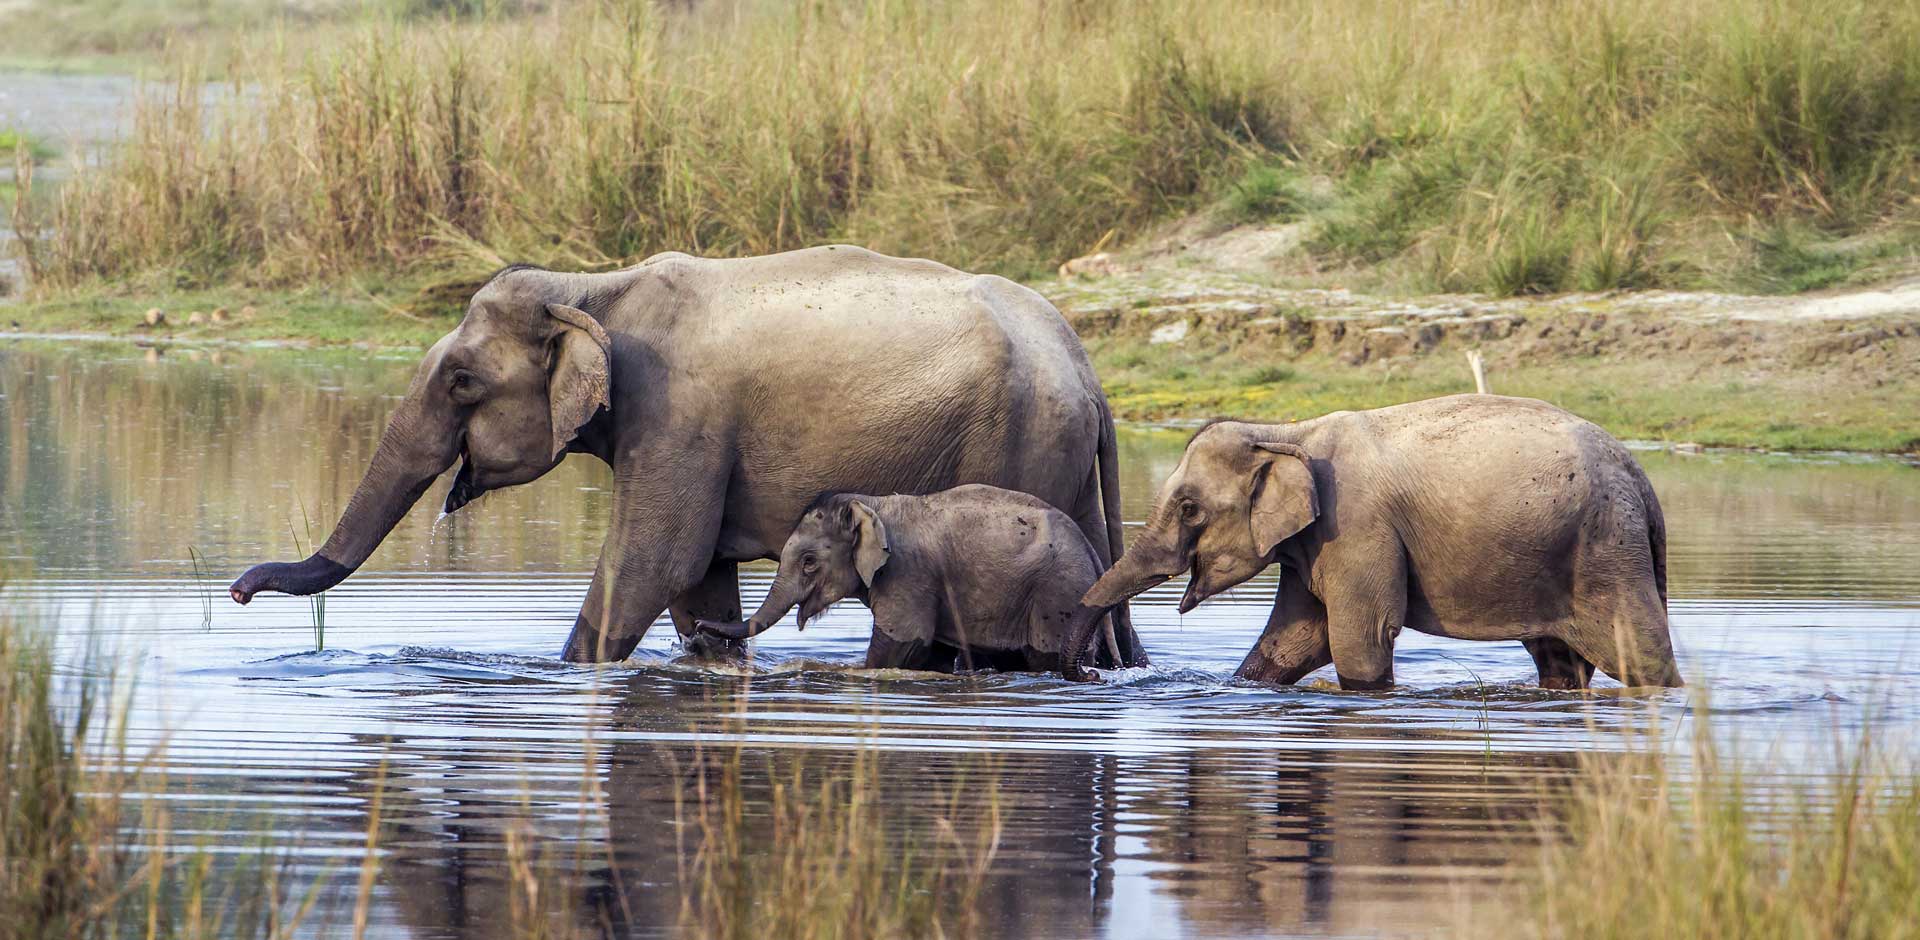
{"type": "Point", "coordinates": [378, 160]}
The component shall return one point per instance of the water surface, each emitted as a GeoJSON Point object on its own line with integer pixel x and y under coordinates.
{"type": "Point", "coordinates": [1166, 802]}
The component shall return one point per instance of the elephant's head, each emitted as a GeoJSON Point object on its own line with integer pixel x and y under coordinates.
{"type": "Point", "coordinates": [835, 552]}
{"type": "Point", "coordinates": [1221, 515]}
{"type": "Point", "coordinates": [506, 393]}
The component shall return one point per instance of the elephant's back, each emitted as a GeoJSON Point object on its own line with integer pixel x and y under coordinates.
{"type": "Point", "coordinates": [839, 369]}
{"type": "Point", "coordinates": [1516, 486]}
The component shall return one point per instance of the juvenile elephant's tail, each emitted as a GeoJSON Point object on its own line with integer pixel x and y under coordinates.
{"type": "Point", "coordinates": [1656, 531]}
{"type": "Point", "coordinates": [1121, 622]}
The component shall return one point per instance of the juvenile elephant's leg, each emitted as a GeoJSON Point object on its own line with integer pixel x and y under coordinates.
{"type": "Point", "coordinates": [885, 652]}
{"type": "Point", "coordinates": [903, 630]}
{"type": "Point", "coordinates": [1560, 667]}
{"type": "Point", "coordinates": [715, 599]}
{"type": "Point", "coordinates": [1366, 607]}
{"type": "Point", "coordinates": [659, 546]}
{"type": "Point", "coordinates": [1295, 640]}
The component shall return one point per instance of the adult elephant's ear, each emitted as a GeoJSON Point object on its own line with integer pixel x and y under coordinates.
{"type": "Point", "coordinates": [577, 373]}
{"type": "Point", "coordinates": [1285, 499]}
{"type": "Point", "coordinates": [870, 548]}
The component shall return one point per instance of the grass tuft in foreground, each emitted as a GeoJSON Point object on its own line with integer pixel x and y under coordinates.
{"type": "Point", "coordinates": [1654, 849]}
{"type": "Point", "coordinates": [841, 860]}
{"type": "Point", "coordinates": [85, 850]}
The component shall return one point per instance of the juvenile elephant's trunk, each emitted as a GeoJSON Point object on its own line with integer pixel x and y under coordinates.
{"type": "Point", "coordinates": [781, 597]}
{"type": "Point", "coordinates": [394, 481]}
{"type": "Point", "coordinates": [1143, 566]}
{"type": "Point", "coordinates": [1080, 637]}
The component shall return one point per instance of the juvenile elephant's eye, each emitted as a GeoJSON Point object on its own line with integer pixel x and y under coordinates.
{"type": "Point", "coordinates": [808, 562]}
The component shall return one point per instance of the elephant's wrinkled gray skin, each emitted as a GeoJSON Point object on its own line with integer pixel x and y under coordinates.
{"type": "Point", "coordinates": [725, 395]}
{"type": "Point", "coordinates": [1472, 516]}
{"type": "Point", "coordinates": [974, 576]}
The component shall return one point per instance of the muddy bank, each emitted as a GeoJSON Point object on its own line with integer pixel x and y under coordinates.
{"type": "Point", "coordinates": [1861, 337]}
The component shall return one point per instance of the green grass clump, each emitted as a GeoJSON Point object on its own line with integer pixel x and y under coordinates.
{"type": "Point", "coordinates": [1267, 192]}
{"type": "Point", "coordinates": [12, 141]}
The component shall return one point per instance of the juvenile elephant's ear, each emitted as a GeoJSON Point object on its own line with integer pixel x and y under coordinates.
{"type": "Point", "coordinates": [577, 367]}
{"type": "Point", "coordinates": [870, 548]}
{"type": "Point", "coordinates": [1285, 499]}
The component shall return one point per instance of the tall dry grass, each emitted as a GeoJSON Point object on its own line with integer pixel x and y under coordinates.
{"type": "Point", "coordinates": [1659, 848]}
{"type": "Point", "coordinates": [836, 856]}
{"type": "Point", "coordinates": [1486, 144]}
{"type": "Point", "coordinates": [86, 850]}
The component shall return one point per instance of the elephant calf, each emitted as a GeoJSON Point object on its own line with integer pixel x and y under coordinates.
{"type": "Point", "coordinates": [976, 575]}
{"type": "Point", "coordinates": [1472, 516]}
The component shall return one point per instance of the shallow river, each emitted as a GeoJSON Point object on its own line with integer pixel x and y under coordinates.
{"type": "Point", "coordinates": [1165, 802]}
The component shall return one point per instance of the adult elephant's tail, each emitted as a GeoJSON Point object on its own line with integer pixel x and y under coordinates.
{"type": "Point", "coordinates": [1656, 531]}
{"type": "Point", "coordinates": [1131, 652]}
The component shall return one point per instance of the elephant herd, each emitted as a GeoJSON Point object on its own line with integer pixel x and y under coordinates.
{"type": "Point", "coordinates": [936, 444]}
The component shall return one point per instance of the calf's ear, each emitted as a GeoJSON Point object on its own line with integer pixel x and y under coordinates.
{"type": "Point", "coordinates": [1284, 497]}
{"type": "Point", "coordinates": [870, 549]}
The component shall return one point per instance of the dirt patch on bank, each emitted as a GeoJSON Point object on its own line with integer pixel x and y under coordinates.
{"type": "Point", "coordinates": [1851, 339]}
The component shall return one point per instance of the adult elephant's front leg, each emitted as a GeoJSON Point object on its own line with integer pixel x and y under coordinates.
{"type": "Point", "coordinates": [659, 547]}
{"type": "Point", "coordinates": [715, 599]}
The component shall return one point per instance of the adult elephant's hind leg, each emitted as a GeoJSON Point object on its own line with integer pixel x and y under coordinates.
{"type": "Point", "coordinates": [1560, 667]}
{"type": "Point", "coordinates": [1625, 635]}
{"type": "Point", "coordinates": [717, 599]}
{"type": "Point", "coordinates": [1295, 640]}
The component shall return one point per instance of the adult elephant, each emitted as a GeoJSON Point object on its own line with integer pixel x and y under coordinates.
{"type": "Point", "coordinates": [726, 395]}
{"type": "Point", "coordinates": [1473, 516]}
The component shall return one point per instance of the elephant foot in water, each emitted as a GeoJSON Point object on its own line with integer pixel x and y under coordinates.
{"type": "Point", "coordinates": [713, 643]}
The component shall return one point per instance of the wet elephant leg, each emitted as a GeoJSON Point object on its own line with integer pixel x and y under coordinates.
{"type": "Point", "coordinates": [659, 546]}
{"type": "Point", "coordinates": [885, 652]}
{"type": "Point", "coordinates": [1560, 667]}
{"type": "Point", "coordinates": [1295, 640]}
{"type": "Point", "coordinates": [1364, 617]}
{"type": "Point", "coordinates": [715, 599]}
{"type": "Point", "coordinates": [1625, 634]}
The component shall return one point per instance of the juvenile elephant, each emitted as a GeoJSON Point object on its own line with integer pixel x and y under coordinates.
{"type": "Point", "coordinates": [1472, 516]}
{"type": "Point", "coordinates": [725, 395]}
{"type": "Point", "coordinates": [975, 574]}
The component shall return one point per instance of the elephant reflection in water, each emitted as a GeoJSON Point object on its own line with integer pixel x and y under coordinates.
{"type": "Point", "coordinates": [1346, 832]}
{"type": "Point", "coordinates": [1333, 839]}
{"type": "Point", "coordinates": [449, 873]}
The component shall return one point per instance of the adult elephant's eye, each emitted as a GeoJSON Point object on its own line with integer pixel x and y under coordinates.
{"type": "Point", "coordinates": [1189, 510]}
{"type": "Point", "coordinates": [464, 386]}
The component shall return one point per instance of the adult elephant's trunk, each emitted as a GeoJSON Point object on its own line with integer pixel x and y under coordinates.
{"type": "Point", "coordinates": [395, 479]}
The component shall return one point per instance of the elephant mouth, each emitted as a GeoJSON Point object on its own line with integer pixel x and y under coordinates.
{"type": "Point", "coordinates": [1194, 593]}
{"type": "Point", "coordinates": [464, 490]}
